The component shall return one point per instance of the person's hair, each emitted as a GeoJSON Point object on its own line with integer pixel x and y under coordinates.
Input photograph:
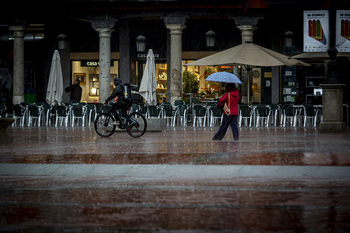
{"type": "Point", "coordinates": [78, 81]}
{"type": "Point", "coordinates": [230, 87]}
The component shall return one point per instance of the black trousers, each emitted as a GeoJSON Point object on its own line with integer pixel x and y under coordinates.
{"type": "Point", "coordinates": [122, 107]}
{"type": "Point", "coordinates": [226, 121]}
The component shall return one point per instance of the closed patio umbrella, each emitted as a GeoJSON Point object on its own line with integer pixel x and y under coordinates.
{"type": "Point", "coordinates": [55, 86]}
{"type": "Point", "coordinates": [148, 85]}
{"type": "Point", "coordinates": [248, 54]}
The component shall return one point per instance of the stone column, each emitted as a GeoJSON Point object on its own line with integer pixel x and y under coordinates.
{"type": "Point", "coordinates": [246, 25]}
{"type": "Point", "coordinates": [18, 64]}
{"type": "Point", "coordinates": [332, 108]}
{"type": "Point", "coordinates": [124, 51]}
{"type": "Point", "coordinates": [104, 25]}
{"type": "Point", "coordinates": [175, 26]}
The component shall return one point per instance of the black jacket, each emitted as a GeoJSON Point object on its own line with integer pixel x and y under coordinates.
{"type": "Point", "coordinates": [75, 92]}
{"type": "Point", "coordinates": [118, 91]}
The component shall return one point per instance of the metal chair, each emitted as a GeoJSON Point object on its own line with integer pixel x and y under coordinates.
{"type": "Point", "coordinates": [245, 113]}
{"type": "Point", "coordinates": [47, 113]}
{"type": "Point", "coordinates": [262, 113]}
{"type": "Point", "coordinates": [215, 115]}
{"type": "Point", "coordinates": [35, 112]}
{"type": "Point", "coordinates": [19, 112]}
{"type": "Point", "coordinates": [289, 112]}
{"type": "Point", "coordinates": [62, 114]}
{"type": "Point", "coordinates": [182, 114]}
{"type": "Point", "coordinates": [78, 112]}
{"type": "Point", "coordinates": [310, 113]}
{"type": "Point", "coordinates": [153, 111]}
{"type": "Point", "coordinates": [274, 109]}
{"type": "Point", "coordinates": [142, 109]}
{"type": "Point", "coordinates": [9, 109]}
{"type": "Point", "coordinates": [200, 113]}
{"type": "Point", "coordinates": [90, 111]}
{"type": "Point", "coordinates": [169, 113]}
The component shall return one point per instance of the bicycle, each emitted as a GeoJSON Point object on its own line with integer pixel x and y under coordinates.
{"type": "Point", "coordinates": [135, 124]}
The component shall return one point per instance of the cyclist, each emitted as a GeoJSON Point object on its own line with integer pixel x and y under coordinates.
{"type": "Point", "coordinates": [118, 94]}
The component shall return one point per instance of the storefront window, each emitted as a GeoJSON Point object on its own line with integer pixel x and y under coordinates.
{"type": "Point", "coordinates": [88, 74]}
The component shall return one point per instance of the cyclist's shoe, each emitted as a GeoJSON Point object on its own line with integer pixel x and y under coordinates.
{"type": "Point", "coordinates": [116, 123]}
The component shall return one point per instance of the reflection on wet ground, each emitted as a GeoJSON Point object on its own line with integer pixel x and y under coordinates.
{"type": "Point", "coordinates": [195, 204]}
{"type": "Point", "coordinates": [210, 205]}
{"type": "Point", "coordinates": [261, 146]}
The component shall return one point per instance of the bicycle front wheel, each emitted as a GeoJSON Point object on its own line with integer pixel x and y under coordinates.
{"type": "Point", "coordinates": [104, 124]}
{"type": "Point", "coordinates": [136, 125]}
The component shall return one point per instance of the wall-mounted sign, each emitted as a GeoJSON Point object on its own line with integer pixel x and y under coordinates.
{"type": "Point", "coordinates": [342, 41]}
{"type": "Point", "coordinates": [144, 55]}
{"type": "Point", "coordinates": [92, 63]}
{"type": "Point", "coordinates": [316, 31]}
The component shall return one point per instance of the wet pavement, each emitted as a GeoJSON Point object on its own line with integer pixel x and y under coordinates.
{"type": "Point", "coordinates": [179, 180]}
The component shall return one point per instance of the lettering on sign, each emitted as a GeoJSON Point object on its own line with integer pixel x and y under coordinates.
{"type": "Point", "coordinates": [156, 55]}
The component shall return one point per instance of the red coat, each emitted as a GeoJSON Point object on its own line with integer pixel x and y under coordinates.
{"type": "Point", "coordinates": [234, 98]}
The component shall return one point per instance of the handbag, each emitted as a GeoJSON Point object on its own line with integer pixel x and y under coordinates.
{"type": "Point", "coordinates": [227, 109]}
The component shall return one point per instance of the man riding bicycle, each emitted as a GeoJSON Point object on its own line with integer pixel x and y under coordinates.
{"type": "Point", "coordinates": [121, 104]}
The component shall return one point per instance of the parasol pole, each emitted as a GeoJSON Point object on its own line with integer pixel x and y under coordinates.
{"type": "Point", "coordinates": [248, 69]}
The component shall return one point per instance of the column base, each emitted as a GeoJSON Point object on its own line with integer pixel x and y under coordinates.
{"type": "Point", "coordinates": [332, 127]}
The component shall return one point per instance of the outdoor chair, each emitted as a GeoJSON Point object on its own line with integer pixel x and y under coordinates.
{"type": "Point", "coordinates": [245, 113]}
{"type": "Point", "coordinates": [62, 114]}
{"type": "Point", "coordinates": [182, 114]}
{"type": "Point", "coordinates": [90, 112]}
{"type": "Point", "coordinates": [289, 112]}
{"type": "Point", "coordinates": [78, 112]}
{"type": "Point", "coordinates": [98, 109]}
{"type": "Point", "coordinates": [35, 112]}
{"type": "Point", "coordinates": [310, 113]}
{"type": "Point", "coordinates": [19, 112]}
{"type": "Point", "coordinates": [142, 109]}
{"type": "Point", "coordinates": [105, 108]}
{"type": "Point", "coordinates": [153, 111]}
{"type": "Point", "coordinates": [215, 115]}
{"type": "Point", "coordinates": [47, 114]}
{"type": "Point", "coordinates": [274, 109]}
{"type": "Point", "coordinates": [168, 113]}
{"type": "Point", "coordinates": [3, 110]}
{"type": "Point", "coordinates": [200, 114]}
{"type": "Point", "coordinates": [134, 108]}
{"type": "Point", "coordinates": [9, 110]}
{"type": "Point", "coordinates": [262, 113]}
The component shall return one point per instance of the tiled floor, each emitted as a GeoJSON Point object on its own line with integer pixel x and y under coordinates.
{"type": "Point", "coordinates": [275, 202]}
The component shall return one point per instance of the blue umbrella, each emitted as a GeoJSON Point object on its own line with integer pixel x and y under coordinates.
{"type": "Point", "coordinates": [223, 77]}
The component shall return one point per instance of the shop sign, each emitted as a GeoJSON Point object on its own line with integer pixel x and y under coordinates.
{"type": "Point", "coordinates": [343, 31]}
{"type": "Point", "coordinates": [316, 31]}
{"type": "Point", "coordinates": [144, 55]}
{"type": "Point", "coordinates": [92, 63]}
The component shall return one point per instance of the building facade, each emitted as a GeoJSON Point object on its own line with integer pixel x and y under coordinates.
{"type": "Point", "coordinates": [101, 44]}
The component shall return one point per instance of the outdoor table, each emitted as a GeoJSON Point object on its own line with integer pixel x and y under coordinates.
{"type": "Point", "coordinates": [190, 94]}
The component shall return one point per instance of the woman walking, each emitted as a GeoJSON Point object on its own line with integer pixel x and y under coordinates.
{"type": "Point", "coordinates": [231, 98]}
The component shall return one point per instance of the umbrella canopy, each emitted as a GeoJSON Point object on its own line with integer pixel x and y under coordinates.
{"type": "Point", "coordinates": [247, 54]}
{"type": "Point", "coordinates": [55, 86]}
{"type": "Point", "coordinates": [319, 55]}
{"type": "Point", "coordinates": [223, 77]}
{"type": "Point", "coordinates": [148, 85]}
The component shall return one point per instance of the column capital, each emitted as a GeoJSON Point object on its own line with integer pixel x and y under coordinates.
{"type": "Point", "coordinates": [246, 20]}
{"type": "Point", "coordinates": [104, 32]}
{"type": "Point", "coordinates": [103, 22]}
{"type": "Point", "coordinates": [18, 31]}
{"type": "Point", "coordinates": [179, 20]}
{"type": "Point", "coordinates": [175, 29]}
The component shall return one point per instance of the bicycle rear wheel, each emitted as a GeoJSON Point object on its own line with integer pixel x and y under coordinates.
{"type": "Point", "coordinates": [136, 125]}
{"type": "Point", "coordinates": [104, 124]}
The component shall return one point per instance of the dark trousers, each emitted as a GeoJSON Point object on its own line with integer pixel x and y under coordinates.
{"type": "Point", "coordinates": [226, 121]}
{"type": "Point", "coordinates": [122, 107]}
